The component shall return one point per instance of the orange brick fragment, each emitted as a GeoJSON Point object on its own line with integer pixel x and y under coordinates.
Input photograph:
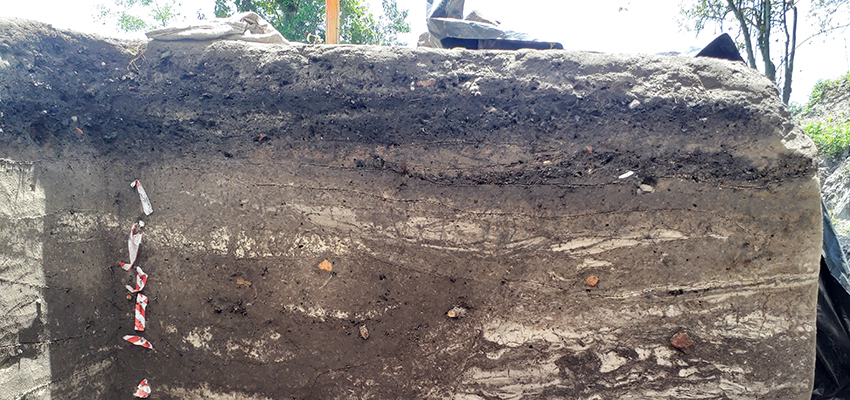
{"type": "Point", "coordinates": [326, 266]}
{"type": "Point", "coordinates": [592, 280]}
{"type": "Point", "coordinates": [683, 342]}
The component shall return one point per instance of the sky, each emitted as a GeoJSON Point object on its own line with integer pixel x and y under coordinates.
{"type": "Point", "coordinates": [610, 26]}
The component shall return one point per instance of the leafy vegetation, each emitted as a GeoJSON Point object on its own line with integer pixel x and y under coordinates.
{"type": "Point", "coordinates": [297, 20]}
{"type": "Point", "coordinates": [301, 20]}
{"type": "Point", "coordinates": [128, 19]}
{"type": "Point", "coordinates": [824, 86]}
{"type": "Point", "coordinates": [832, 139]}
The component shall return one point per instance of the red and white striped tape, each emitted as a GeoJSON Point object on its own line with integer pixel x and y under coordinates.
{"type": "Point", "coordinates": [141, 280]}
{"type": "Point", "coordinates": [146, 202]}
{"type": "Point", "coordinates": [138, 341]}
{"type": "Point", "coordinates": [141, 305]}
{"type": "Point", "coordinates": [133, 247]}
{"type": "Point", "coordinates": [144, 390]}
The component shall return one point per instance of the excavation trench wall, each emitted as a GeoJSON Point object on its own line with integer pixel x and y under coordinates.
{"type": "Point", "coordinates": [496, 182]}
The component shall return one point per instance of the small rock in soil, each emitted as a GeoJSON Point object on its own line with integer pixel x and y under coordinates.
{"type": "Point", "coordinates": [456, 312]}
{"type": "Point", "coordinates": [647, 188]}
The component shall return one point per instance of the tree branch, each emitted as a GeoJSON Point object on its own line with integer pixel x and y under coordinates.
{"type": "Point", "coordinates": [745, 31]}
{"type": "Point", "coordinates": [823, 32]}
{"type": "Point", "coordinates": [764, 27]}
{"type": "Point", "coordinates": [790, 41]}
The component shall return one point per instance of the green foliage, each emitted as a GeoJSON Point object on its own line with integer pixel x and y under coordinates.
{"type": "Point", "coordinates": [160, 13]}
{"type": "Point", "coordinates": [299, 20]}
{"type": "Point", "coordinates": [824, 86]}
{"type": "Point", "coordinates": [832, 140]}
{"type": "Point", "coordinates": [396, 22]}
{"type": "Point", "coordinates": [130, 23]}
{"type": "Point", "coordinates": [293, 18]}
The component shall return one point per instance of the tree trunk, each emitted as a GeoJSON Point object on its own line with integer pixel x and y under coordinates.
{"type": "Point", "coordinates": [745, 30]}
{"type": "Point", "coordinates": [789, 56]}
{"type": "Point", "coordinates": [763, 24]}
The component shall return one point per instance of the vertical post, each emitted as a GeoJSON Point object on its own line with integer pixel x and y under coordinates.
{"type": "Point", "coordinates": [332, 32]}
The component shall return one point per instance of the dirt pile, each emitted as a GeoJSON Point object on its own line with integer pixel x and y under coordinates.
{"type": "Point", "coordinates": [830, 106]}
{"type": "Point", "coordinates": [831, 102]}
{"type": "Point", "coordinates": [462, 201]}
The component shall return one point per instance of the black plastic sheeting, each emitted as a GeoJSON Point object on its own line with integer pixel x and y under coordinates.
{"type": "Point", "coordinates": [722, 47]}
{"type": "Point", "coordinates": [832, 365]}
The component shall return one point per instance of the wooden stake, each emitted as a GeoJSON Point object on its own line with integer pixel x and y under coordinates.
{"type": "Point", "coordinates": [332, 33]}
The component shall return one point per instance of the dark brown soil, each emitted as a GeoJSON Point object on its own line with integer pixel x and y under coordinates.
{"type": "Point", "coordinates": [263, 161]}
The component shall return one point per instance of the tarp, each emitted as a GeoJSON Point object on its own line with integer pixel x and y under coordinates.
{"type": "Point", "coordinates": [832, 366]}
{"type": "Point", "coordinates": [445, 19]}
{"type": "Point", "coordinates": [447, 28]}
{"type": "Point", "coordinates": [247, 26]}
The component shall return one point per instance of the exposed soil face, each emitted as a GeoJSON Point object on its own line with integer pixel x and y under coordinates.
{"type": "Point", "coordinates": [430, 179]}
{"type": "Point", "coordinates": [832, 108]}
